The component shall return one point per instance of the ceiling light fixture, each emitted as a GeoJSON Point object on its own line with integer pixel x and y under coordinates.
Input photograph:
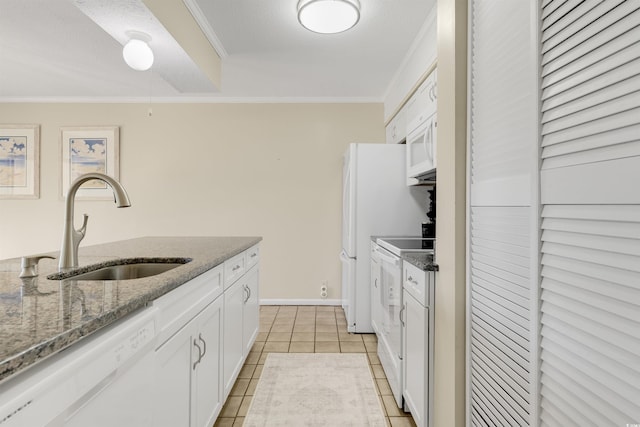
{"type": "Point", "coordinates": [137, 53]}
{"type": "Point", "coordinates": [328, 16]}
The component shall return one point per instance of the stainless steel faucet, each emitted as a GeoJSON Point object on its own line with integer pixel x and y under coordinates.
{"type": "Point", "coordinates": [70, 236]}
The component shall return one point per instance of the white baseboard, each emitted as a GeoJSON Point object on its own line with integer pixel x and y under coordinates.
{"type": "Point", "coordinates": [301, 302]}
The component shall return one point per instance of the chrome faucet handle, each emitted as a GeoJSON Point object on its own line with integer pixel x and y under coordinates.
{"type": "Point", "coordinates": [29, 265]}
{"type": "Point", "coordinates": [83, 229]}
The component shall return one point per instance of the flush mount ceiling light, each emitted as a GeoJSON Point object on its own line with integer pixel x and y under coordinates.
{"type": "Point", "coordinates": [137, 53]}
{"type": "Point", "coordinates": [328, 16]}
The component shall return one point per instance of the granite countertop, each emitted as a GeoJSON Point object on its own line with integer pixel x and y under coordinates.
{"type": "Point", "coordinates": [424, 261]}
{"type": "Point", "coordinates": [40, 317]}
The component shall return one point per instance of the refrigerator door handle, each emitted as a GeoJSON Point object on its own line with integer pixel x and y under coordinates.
{"type": "Point", "coordinates": [344, 257]}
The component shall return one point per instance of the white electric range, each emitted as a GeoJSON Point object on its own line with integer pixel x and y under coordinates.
{"type": "Point", "coordinates": [387, 303]}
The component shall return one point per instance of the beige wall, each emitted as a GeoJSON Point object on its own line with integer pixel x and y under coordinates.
{"type": "Point", "coordinates": [272, 170]}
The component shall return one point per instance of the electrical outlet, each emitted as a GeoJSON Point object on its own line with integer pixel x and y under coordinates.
{"type": "Point", "coordinates": [324, 289]}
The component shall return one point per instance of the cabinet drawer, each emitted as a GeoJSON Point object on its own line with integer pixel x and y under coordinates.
{"type": "Point", "coordinates": [252, 256]}
{"type": "Point", "coordinates": [422, 104]}
{"type": "Point", "coordinates": [234, 268]}
{"type": "Point", "coordinates": [180, 305]}
{"type": "Point", "coordinates": [396, 130]}
{"type": "Point", "coordinates": [416, 282]}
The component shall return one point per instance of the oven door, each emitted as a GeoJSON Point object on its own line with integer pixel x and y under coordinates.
{"type": "Point", "coordinates": [390, 329]}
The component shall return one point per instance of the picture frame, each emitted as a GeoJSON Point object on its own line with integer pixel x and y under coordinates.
{"type": "Point", "coordinates": [85, 150]}
{"type": "Point", "coordinates": [19, 161]}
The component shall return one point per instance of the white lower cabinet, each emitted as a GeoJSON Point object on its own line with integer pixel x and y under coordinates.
{"type": "Point", "coordinates": [241, 322]}
{"type": "Point", "coordinates": [416, 354]}
{"type": "Point", "coordinates": [188, 390]}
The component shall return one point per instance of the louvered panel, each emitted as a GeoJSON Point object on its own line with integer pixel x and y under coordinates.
{"type": "Point", "coordinates": [521, 292]}
{"type": "Point", "coordinates": [505, 365]}
{"type": "Point", "coordinates": [502, 132]}
{"type": "Point", "coordinates": [521, 303]}
{"type": "Point", "coordinates": [586, 226]}
{"type": "Point", "coordinates": [582, 151]}
{"type": "Point", "coordinates": [622, 18]}
{"type": "Point", "coordinates": [553, 17]}
{"type": "Point", "coordinates": [578, 97]}
{"type": "Point", "coordinates": [582, 16]}
{"type": "Point", "coordinates": [515, 396]}
{"type": "Point", "coordinates": [500, 91]}
{"type": "Point", "coordinates": [590, 322]}
{"type": "Point", "coordinates": [507, 401]}
{"type": "Point", "coordinates": [549, 6]}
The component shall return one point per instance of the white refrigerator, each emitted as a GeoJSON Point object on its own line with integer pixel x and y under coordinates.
{"type": "Point", "coordinates": [376, 201]}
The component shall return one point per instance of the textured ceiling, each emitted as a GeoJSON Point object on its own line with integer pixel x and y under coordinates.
{"type": "Point", "coordinates": [51, 49]}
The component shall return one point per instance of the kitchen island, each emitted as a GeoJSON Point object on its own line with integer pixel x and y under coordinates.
{"type": "Point", "coordinates": [44, 319]}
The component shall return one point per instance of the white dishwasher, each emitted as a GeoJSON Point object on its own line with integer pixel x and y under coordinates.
{"type": "Point", "coordinates": [104, 380]}
{"type": "Point", "coordinates": [387, 254]}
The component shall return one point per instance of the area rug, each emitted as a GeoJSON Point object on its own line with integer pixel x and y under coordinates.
{"type": "Point", "coordinates": [315, 389]}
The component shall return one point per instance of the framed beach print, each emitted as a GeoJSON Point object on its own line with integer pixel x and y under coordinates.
{"type": "Point", "coordinates": [86, 150]}
{"type": "Point", "coordinates": [19, 161]}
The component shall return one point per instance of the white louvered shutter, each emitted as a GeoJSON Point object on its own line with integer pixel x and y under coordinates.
{"type": "Point", "coordinates": [590, 191]}
{"type": "Point", "coordinates": [502, 267]}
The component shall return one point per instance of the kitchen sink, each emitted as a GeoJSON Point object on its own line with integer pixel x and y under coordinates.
{"type": "Point", "coordinates": [121, 270]}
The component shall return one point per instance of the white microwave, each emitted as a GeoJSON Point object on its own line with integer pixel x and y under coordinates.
{"type": "Point", "coordinates": [421, 148]}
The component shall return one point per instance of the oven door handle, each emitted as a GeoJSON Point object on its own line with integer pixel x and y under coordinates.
{"type": "Point", "coordinates": [401, 315]}
{"type": "Point", "coordinates": [387, 258]}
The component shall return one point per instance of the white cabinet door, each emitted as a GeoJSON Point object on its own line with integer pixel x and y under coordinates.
{"type": "Point", "coordinates": [416, 346]}
{"type": "Point", "coordinates": [172, 389]}
{"type": "Point", "coordinates": [207, 385]}
{"type": "Point", "coordinates": [234, 298]}
{"type": "Point", "coordinates": [251, 311]}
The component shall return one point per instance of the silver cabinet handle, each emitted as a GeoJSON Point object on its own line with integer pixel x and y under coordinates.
{"type": "Point", "coordinates": [195, 343]}
{"type": "Point", "coordinates": [401, 316]}
{"type": "Point", "coordinates": [375, 283]}
{"type": "Point", "coordinates": [253, 255]}
{"type": "Point", "coordinates": [411, 280]}
{"type": "Point", "coordinates": [204, 346]}
{"type": "Point", "coordinates": [237, 266]}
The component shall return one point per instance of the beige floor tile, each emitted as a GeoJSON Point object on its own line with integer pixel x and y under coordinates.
{"type": "Point", "coordinates": [279, 336]}
{"type": "Point", "coordinates": [391, 407]}
{"type": "Point", "coordinates": [349, 337]}
{"type": "Point", "coordinates": [326, 328]}
{"type": "Point", "coordinates": [231, 406]}
{"type": "Point", "coordinates": [244, 406]}
{"type": "Point", "coordinates": [371, 347]}
{"type": "Point", "coordinates": [383, 386]}
{"type": "Point", "coordinates": [240, 387]}
{"type": "Point", "coordinates": [325, 308]}
{"type": "Point", "coordinates": [288, 309]}
{"type": "Point", "coordinates": [257, 372]}
{"type": "Point", "coordinates": [239, 422]}
{"type": "Point", "coordinates": [369, 338]}
{"type": "Point", "coordinates": [325, 318]}
{"type": "Point", "coordinates": [247, 371]}
{"type": "Point", "coordinates": [224, 422]}
{"type": "Point", "coordinates": [269, 308]}
{"type": "Point", "coordinates": [326, 336]}
{"type": "Point", "coordinates": [373, 358]}
{"type": "Point", "coordinates": [303, 336]}
{"type": "Point", "coordinates": [264, 328]}
{"type": "Point", "coordinates": [306, 309]}
{"type": "Point", "coordinates": [402, 422]}
{"type": "Point", "coordinates": [301, 347]}
{"type": "Point", "coordinates": [304, 328]}
{"type": "Point", "coordinates": [258, 345]}
{"type": "Point", "coordinates": [263, 358]}
{"type": "Point", "coordinates": [305, 321]}
{"type": "Point", "coordinates": [378, 372]}
{"type": "Point", "coordinates": [253, 357]}
{"type": "Point", "coordinates": [282, 327]}
{"type": "Point", "coordinates": [252, 387]}
{"type": "Point", "coordinates": [262, 336]}
{"type": "Point", "coordinates": [352, 347]}
{"type": "Point", "coordinates": [327, 347]}
{"type": "Point", "coordinates": [276, 347]}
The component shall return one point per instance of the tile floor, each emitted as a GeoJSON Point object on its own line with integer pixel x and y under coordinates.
{"type": "Point", "coordinates": [305, 329]}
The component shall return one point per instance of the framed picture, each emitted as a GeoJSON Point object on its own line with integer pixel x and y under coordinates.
{"type": "Point", "coordinates": [19, 161]}
{"type": "Point", "coordinates": [85, 150]}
